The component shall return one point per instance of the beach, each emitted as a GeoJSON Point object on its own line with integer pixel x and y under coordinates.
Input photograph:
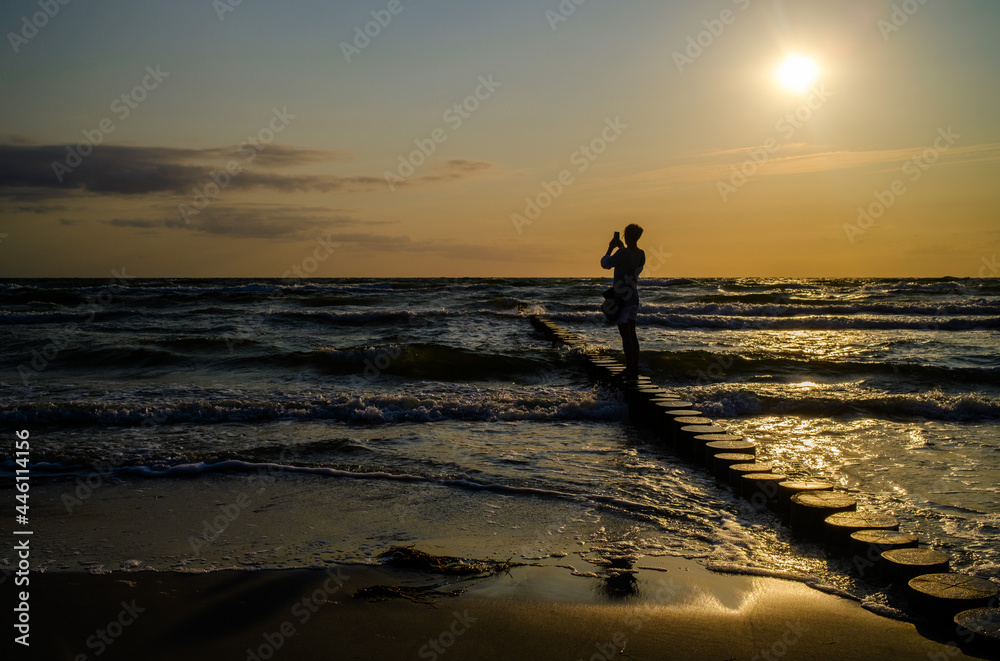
{"type": "Point", "coordinates": [214, 450]}
{"type": "Point", "coordinates": [531, 613]}
{"type": "Point", "coordinates": [567, 597]}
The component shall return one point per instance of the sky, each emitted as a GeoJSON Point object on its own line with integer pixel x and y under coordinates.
{"type": "Point", "coordinates": [398, 138]}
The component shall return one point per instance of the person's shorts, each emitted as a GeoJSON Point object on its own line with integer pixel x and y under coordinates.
{"type": "Point", "coordinates": [628, 313]}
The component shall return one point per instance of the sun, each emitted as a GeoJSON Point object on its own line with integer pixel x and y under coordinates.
{"type": "Point", "coordinates": [798, 73]}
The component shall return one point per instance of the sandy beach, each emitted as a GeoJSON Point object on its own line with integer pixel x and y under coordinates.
{"type": "Point", "coordinates": [566, 597]}
{"type": "Point", "coordinates": [680, 611]}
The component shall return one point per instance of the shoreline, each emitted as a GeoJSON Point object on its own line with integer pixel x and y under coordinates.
{"type": "Point", "coordinates": [527, 612]}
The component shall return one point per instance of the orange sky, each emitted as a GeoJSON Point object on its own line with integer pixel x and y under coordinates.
{"type": "Point", "coordinates": [500, 141]}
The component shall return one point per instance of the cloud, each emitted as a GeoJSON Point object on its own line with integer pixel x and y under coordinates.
{"type": "Point", "coordinates": [847, 160]}
{"type": "Point", "coordinates": [454, 168]}
{"type": "Point", "coordinates": [37, 208]}
{"type": "Point", "coordinates": [379, 243]}
{"type": "Point", "coordinates": [132, 222]}
{"type": "Point", "coordinates": [264, 221]}
{"type": "Point", "coordinates": [257, 221]}
{"type": "Point", "coordinates": [271, 156]}
{"type": "Point", "coordinates": [289, 222]}
{"type": "Point", "coordinates": [123, 170]}
{"type": "Point", "coordinates": [17, 139]}
{"type": "Point", "coordinates": [791, 159]}
{"type": "Point", "coordinates": [451, 169]}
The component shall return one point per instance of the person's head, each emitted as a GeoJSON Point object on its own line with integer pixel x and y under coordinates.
{"type": "Point", "coordinates": [632, 234]}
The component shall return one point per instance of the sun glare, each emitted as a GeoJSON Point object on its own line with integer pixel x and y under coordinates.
{"type": "Point", "coordinates": [798, 73]}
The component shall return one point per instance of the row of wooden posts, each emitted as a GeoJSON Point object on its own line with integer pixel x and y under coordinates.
{"type": "Point", "coordinates": [813, 508]}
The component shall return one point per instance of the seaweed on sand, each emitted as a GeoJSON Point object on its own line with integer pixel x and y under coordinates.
{"type": "Point", "coordinates": [407, 557]}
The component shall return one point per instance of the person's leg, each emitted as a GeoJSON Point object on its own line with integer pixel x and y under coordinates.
{"type": "Point", "coordinates": [631, 348]}
{"type": "Point", "coordinates": [634, 343]}
{"type": "Point", "coordinates": [626, 340]}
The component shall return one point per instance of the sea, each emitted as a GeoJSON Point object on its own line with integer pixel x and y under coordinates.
{"type": "Point", "coordinates": [390, 409]}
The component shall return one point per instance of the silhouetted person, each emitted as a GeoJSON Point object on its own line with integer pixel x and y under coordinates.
{"type": "Point", "coordinates": [627, 262]}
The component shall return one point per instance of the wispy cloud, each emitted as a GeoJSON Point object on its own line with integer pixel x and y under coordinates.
{"type": "Point", "coordinates": [511, 251]}
{"type": "Point", "coordinates": [288, 222]}
{"type": "Point", "coordinates": [793, 159]}
{"type": "Point", "coordinates": [454, 168]}
{"type": "Point", "coordinates": [262, 221]}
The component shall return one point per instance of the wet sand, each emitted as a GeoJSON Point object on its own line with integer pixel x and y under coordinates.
{"type": "Point", "coordinates": [675, 610]}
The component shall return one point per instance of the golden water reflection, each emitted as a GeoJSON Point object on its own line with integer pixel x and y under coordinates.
{"type": "Point", "coordinates": [808, 344]}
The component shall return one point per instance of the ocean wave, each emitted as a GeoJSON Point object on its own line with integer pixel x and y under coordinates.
{"type": "Point", "coordinates": [733, 402]}
{"type": "Point", "coordinates": [76, 315]}
{"type": "Point", "coordinates": [202, 343]}
{"type": "Point", "coordinates": [42, 317]}
{"type": "Point", "coordinates": [416, 361]}
{"type": "Point", "coordinates": [808, 322]}
{"type": "Point", "coordinates": [943, 286]}
{"type": "Point", "coordinates": [707, 366]}
{"type": "Point", "coordinates": [241, 349]}
{"type": "Point", "coordinates": [377, 408]}
{"type": "Point", "coordinates": [820, 323]}
{"type": "Point", "coordinates": [772, 305]}
{"type": "Point", "coordinates": [357, 318]}
{"type": "Point", "coordinates": [237, 466]}
{"type": "Point", "coordinates": [43, 295]}
{"type": "Point", "coordinates": [334, 300]}
{"type": "Point", "coordinates": [501, 303]}
{"type": "Point", "coordinates": [691, 517]}
{"type": "Point", "coordinates": [670, 282]}
{"type": "Point", "coordinates": [756, 284]}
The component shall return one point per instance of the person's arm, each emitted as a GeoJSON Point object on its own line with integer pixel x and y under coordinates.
{"type": "Point", "coordinates": [610, 261]}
